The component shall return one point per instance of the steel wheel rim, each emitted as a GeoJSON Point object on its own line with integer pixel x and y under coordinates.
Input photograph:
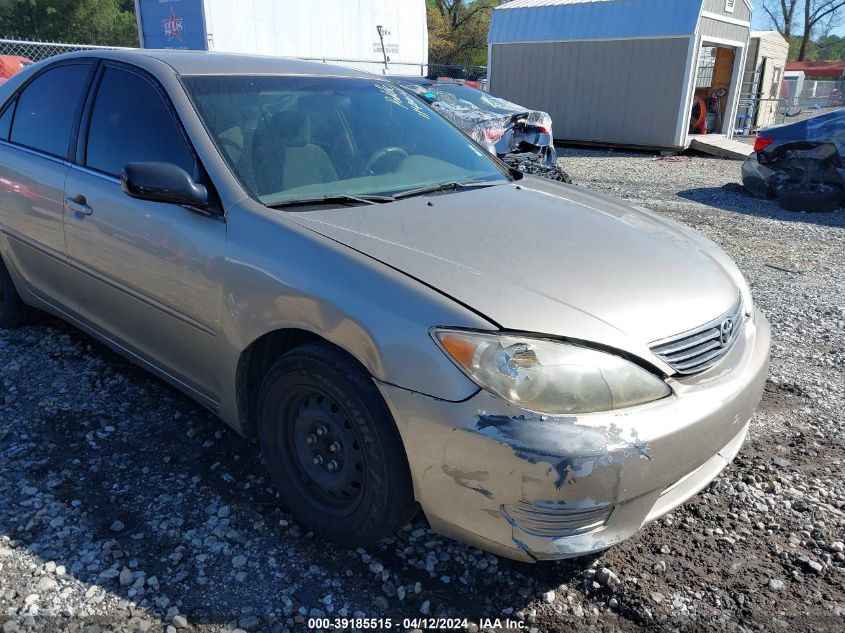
{"type": "Point", "coordinates": [324, 448]}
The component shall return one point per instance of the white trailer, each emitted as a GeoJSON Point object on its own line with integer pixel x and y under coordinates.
{"type": "Point", "coordinates": [331, 30]}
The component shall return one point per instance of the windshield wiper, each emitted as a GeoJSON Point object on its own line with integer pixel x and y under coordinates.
{"type": "Point", "coordinates": [443, 186]}
{"type": "Point", "coordinates": [331, 199]}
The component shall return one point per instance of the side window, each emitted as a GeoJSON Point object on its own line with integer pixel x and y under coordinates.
{"type": "Point", "coordinates": [47, 109]}
{"type": "Point", "coordinates": [6, 120]}
{"type": "Point", "coordinates": [132, 123]}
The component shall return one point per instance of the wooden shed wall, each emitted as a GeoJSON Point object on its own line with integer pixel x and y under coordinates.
{"type": "Point", "coordinates": [624, 92]}
{"type": "Point", "coordinates": [741, 11]}
{"type": "Point", "coordinates": [773, 46]}
{"type": "Point", "coordinates": [723, 30]}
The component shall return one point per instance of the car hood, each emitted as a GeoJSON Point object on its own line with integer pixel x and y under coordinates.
{"type": "Point", "coordinates": [545, 258]}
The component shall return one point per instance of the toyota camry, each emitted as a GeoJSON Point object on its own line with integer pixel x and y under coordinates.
{"type": "Point", "coordinates": [401, 321]}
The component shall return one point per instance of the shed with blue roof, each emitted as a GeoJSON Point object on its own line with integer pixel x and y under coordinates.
{"type": "Point", "coordinates": [648, 73]}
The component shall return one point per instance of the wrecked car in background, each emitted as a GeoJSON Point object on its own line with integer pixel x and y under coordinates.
{"type": "Point", "coordinates": [401, 321]}
{"type": "Point", "coordinates": [800, 164]}
{"type": "Point", "coordinates": [10, 65]}
{"type": "Point", "coordinates": [519, 136]}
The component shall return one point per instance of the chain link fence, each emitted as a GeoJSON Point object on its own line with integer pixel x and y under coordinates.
{"type": "Point", "coordinates": [37, 51]}
{"type": "Point", "coordinates": [417, 69]}
{"type": "Point", "coordinates": [795, 104]}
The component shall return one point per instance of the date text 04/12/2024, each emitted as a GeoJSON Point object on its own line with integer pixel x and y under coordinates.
{"type": "Point", "coordinates": [425, 624]}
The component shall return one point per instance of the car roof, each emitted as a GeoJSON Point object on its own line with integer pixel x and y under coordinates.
{"type": "Point", "coordinates": [213, 63]}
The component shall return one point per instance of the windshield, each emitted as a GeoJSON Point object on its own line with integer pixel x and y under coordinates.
{"type": "Point", "coordinates": [287, 138]}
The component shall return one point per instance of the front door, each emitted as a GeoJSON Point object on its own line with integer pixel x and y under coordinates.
{"type": "Point", "coordinates": [146, 274]}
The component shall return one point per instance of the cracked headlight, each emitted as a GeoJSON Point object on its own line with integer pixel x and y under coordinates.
{"type": "Point", "coordinates": [550, 376]}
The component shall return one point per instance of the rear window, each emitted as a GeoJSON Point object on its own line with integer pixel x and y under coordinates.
{"type": "Point", "coordinates": [47, 109]}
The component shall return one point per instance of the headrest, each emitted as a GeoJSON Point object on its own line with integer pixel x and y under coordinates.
{"type": "Point", "coordinates": [289, 128]}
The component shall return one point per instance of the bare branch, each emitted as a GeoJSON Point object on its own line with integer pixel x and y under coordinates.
{"type": "Point", "coordinates": [823, 9]}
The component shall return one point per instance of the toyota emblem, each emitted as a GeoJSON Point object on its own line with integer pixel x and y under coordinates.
{"type": "Point", "coordinates": [725, 331]}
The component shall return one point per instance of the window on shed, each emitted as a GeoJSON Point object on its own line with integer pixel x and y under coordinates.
{"type": "Point", "coordinates": [777, 76]}
{"type": "Point", "coordinates": [730, 5]}
{"type": "Point", "coordinates": [706, 67]}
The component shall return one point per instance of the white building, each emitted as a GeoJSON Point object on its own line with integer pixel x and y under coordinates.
{"type": "Point", "coordinates": [311, 29]}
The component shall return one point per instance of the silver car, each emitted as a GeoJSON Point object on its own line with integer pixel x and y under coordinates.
{"type": "Point", "coordinates": [328, 265]}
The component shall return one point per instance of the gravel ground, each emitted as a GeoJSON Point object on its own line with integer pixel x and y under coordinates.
{"type": "Point", "coordinates": [125, 506]}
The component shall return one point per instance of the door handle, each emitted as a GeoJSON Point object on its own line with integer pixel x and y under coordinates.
{"type": "Point", "coordinates": [79, 205]}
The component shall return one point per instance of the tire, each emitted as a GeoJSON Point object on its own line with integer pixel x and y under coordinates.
{"type": "Point", "coordinates": [821, 198]}
{"type": "Point", "coordinates": [11, 306]}
{"type": "Point", "coordinates": [317, 402]}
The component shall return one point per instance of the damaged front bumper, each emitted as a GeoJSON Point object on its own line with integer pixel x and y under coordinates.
{"type": "Point", "coordinates": [534, 487]}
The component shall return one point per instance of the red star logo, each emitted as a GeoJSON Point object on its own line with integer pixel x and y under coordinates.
{"type": "Point", "coordinates": [173, 26]}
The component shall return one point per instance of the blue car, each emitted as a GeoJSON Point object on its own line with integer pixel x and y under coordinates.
{"type": "Point", "coordinates": [801, 164]}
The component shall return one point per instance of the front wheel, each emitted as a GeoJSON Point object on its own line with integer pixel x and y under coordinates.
{"type": "Point", "coordinates": [332, 448]}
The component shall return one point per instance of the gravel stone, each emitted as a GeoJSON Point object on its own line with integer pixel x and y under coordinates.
{"type": "Point", "coordinates": [239, 561]}
{"type": "Point", "coordinates": [249, 623]}
{"type": "Point", "coordinates": [125, 577]}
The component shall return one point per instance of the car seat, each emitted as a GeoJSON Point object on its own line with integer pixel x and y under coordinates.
{"type": "Point", "coordinates": [283, 156]}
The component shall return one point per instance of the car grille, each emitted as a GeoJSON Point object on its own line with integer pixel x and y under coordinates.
{"type": "Point", "coordinates": [703, 347]}
{"type": "Point", "coordinates": [556, 519]}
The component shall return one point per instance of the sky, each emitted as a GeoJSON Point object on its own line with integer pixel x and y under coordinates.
{"type": "Point", "coordinates": [760, 20]}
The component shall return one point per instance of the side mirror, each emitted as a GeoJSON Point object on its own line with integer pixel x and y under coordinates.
{"type": "Point", "coordinates": [162, 182]}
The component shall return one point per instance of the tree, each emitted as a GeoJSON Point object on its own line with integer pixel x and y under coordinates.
{"type": "Point", "coordinates": [782, 15]}
{"type": "Point", "coordinates": [457, 30]}
{"type": "Point", "coordinates": [817, 13]}
{"type": "Point", "coordinates": [829, 48]}
{"type": "Point", "coordinates": [107, 22]}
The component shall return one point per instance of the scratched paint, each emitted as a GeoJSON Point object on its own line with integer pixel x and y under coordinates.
{"type": "Point", "coordinates": [573, 451]}
{"type": "Point", "coordinates": [468, 480]}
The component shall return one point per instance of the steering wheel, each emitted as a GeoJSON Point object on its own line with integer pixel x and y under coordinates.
{"type": "Point", "coordinates": [380, 154]}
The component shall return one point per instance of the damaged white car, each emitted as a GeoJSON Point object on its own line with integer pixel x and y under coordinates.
{"type": "Point", "coordinates": [519, 136]}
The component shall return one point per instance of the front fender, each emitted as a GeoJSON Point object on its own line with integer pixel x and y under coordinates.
{"type": "Point", "coordinates": [279, 275]}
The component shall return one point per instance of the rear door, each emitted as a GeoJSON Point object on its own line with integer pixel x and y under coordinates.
{"type": "Point", "coordinates": [36, 132]}
{"type": "Point", "coordinates": [145, 273]}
